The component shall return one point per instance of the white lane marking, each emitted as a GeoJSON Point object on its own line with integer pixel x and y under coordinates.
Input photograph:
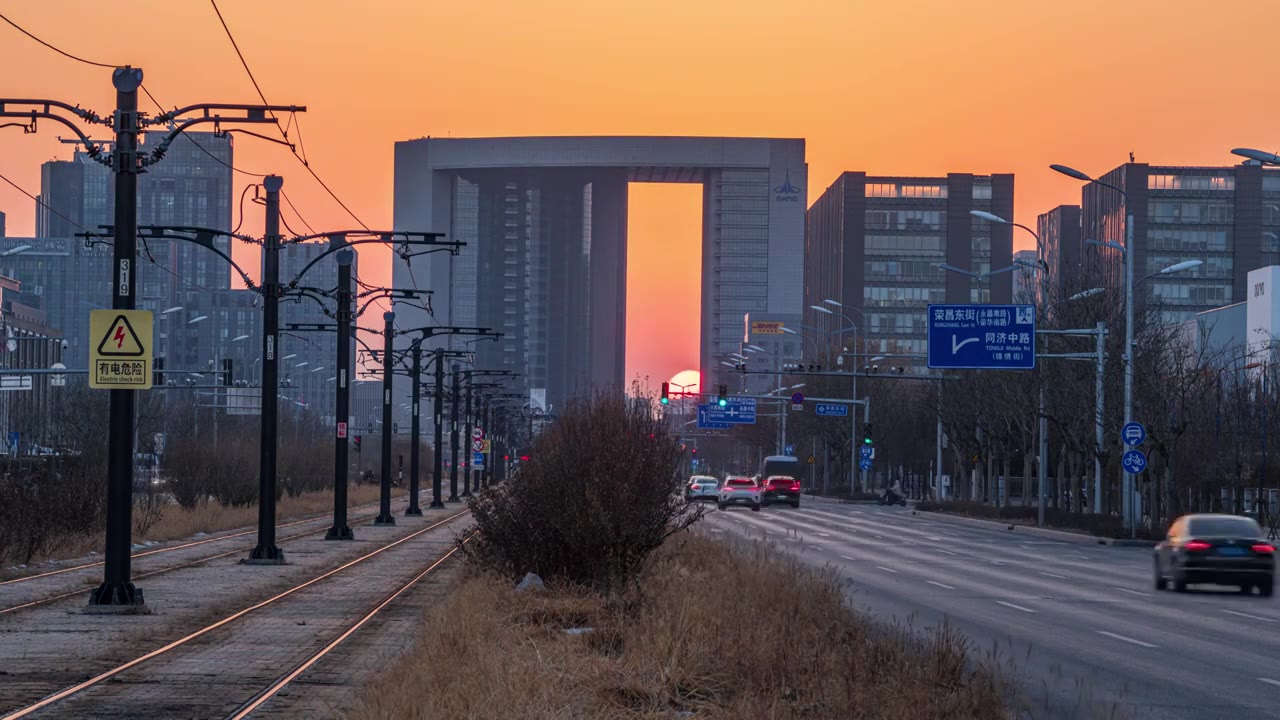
{"type": "Point", "coordinates": [889, 570]}
{"type": "Point", "coordinates": [824, 534]}
{"type": "Point", "coordinates": [1132, 592]}
{"type": "Point", "coordinates": [1074, 555]}
{"type": "Point", "coordinates": [941, 585]}
{"type": "Point", "coordinates": [846, 557]}
{"type": "Point", "coordinates": [1015, 607]}
{"type": "Point", "coordinates": [998, 562]}
{"type": "Point", "coordinates": [945, 551]}
{"type": "Point", "coordinates": [878, 537]}
{"type": "Point", "coordinates": [1125, 639]}
{"type": "Point", "coordinates": [935, 538]}
{"type": "Point", "coordinates": [1269, 681]}
{"type": "Point", "coordinates": [1251, 617]}
{"type": "Point", "coordinates": [1060, 577]}
{"type": "Point", "coordinates": [908, 543]}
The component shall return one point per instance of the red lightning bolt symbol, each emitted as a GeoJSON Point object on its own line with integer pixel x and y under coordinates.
{"type": "Point", "coordinates": [119, 338]}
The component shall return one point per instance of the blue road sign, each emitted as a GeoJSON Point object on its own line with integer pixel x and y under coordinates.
{"type": "Point", "coordinates": [865, 452]}
{"type": "Point", "coordinates": [864, 463]}
{"type": "Point", "coordinates": [832, 409]}
{"type": "Point", "coordinates": [982, 337]}
{"type": "Point", "coordinates": [736, 411]}
{"type": "Point", "coordinates": [14, 438]}
{"type": "Point", "coordinates": [797, 399]}
{"type": "Point", "coordinates": [706, 423]}
{"type": "Point", "coordinates": [477, 459]}
{"type": "Point", "coordinates": [1133, 434]}
{"type": "Point", "coordinates": [789, 450]}
{"type": "Point", "coordinates": [1134, 461]}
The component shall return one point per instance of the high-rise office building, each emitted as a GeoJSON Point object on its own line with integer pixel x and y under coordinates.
{"type": "Point", "coordinates": [1026, 279]}
{"type": "Point", "coordinates": [1226, 217]}
{"type": "Point", "coordinates": [70, 278]}
{"type": "Point", "coordinates": [874, 245]}
{"type": "Point", "coordinates": [189, 187]}
{"type": "Point", "coordinates": [311, 370]}
{"type": "Point", "coordinates": [1059, 231]}
{"type": "Point", "coordinates": [2, 230]}
{"type": "Point", "coordinates": [544, 220]}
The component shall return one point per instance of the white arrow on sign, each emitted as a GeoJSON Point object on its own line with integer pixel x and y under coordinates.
{"type": "Point", "coordinates": [955, 347]}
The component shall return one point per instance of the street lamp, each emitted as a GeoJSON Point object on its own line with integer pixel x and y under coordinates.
{"type": "Point", "coordinates": [290, 356]}
{"type": "Point", "coordinates": [1261, 156]}
{"type": "Point", "coordinates": [195, 320]}
{"type": "Point", "coordinates": [171, 310]}
{"type": "Point", "coordinates": [1126, 356]}
{"type": "Point", "coordinates": [15, 250]}
{"type": "Point", "coordinates": [238, 338]}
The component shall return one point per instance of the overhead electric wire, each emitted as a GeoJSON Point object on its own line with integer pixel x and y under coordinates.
{"type": "Point", "coordinates": [55, 48]}
{"type": "Point", "coordinates": [298, 125]}
{"type": "Point", "coordinates": [301, 219]}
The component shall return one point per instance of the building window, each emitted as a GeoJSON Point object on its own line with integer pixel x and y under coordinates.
{"type": "Point", "coordinates": [1210, 183]}
{"type": "Point", "coordinates": [898, 190]}
{"type": "Point", "coordinates": [981, 191]}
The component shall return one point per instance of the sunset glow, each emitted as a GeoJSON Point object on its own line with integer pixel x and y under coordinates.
{"type": "Point", "coordinates": [891, 88]}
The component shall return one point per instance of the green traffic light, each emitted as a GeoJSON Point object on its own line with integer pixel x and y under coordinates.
{"type": "Point", "coordinates": [723, 402]}
{"type": "Point", "coordinates": [665, 401]}
{"type": "Point", "coordinates": [866, 441]}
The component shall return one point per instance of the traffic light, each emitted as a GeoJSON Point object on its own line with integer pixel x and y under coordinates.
{"type": "Point", "coordinates": [226, 372]}
{"type": "Point", "coordinates": [666, 393]}
{"type": "Point", "coordinates": [866, 433]}
{"type": "Point", "coordinates": [724, 392]}
{"type": "Point", "coordinates": [357, 443]}
{"type": "Point", "coordinates": [157, 372]}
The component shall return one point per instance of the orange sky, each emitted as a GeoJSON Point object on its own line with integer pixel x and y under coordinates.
{"type": "Point", "coordinates": [892, 87]}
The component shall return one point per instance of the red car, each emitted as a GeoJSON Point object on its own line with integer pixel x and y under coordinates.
{"type": "Point", "coordinates": [781, 488]}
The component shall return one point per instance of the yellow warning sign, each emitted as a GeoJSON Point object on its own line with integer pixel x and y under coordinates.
{"type": "Point", "coordinates": [486, 446]}
{"type": "Point", "coordinates": [120, 349]}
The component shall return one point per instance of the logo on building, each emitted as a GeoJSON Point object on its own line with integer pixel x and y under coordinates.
{"type": "Point", "coordinates": [787, 192]}
{"type": "Point", "coordinates": [1259, 289]}
{"type": "Point", "coordinates": [766, 328]}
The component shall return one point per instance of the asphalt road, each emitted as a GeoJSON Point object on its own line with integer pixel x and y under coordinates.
{"type": "Point", "coordinates": [1081, 625]}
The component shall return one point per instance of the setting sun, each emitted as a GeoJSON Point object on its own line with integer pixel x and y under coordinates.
{"type": "Point", "coordinates": [685, 381]}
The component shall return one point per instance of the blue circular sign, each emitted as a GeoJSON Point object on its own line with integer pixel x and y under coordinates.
{"type": "Point", "coordinates": [1134, 461]}
{"type": "Point", "coordinates": [1133, 434]}
{"type": "Point", "coordinates": [798, 398]}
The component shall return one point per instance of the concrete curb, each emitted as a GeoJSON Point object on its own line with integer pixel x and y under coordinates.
{"type": "Point", "coordinates": [839, 501]}
{"type": "Point", "coordinates": [1060, 535]}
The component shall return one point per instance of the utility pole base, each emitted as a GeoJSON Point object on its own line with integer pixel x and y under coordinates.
{"type": "Point", "coordinates": [385, 520]}
{"type": "Point", "coordinates": [436, 504]}
{"type": "Point", "coordinates": [264, 555]}
{"type": "Point", "coordinates": [339, 533]}
{"type": "Point", "coordinates": [413, 512]}
{"type": "Point", "coordinates": [452, 499]}
{"type": "Point", "coordinates": [466, 493]}
{"type": "Point", "coordinates": [116, 597]}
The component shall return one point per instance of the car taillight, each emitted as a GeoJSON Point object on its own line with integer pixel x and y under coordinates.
{"type": "Point", "coordinates": [795, 485]}
{"type": "Point", "coordinates": [1264, 548]}
{"type": "Point", "coordinates": [1196, 546]}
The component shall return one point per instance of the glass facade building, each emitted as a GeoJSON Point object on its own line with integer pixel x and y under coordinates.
{"type": "Point", "coordinates": [1226, 217]}
{"type": "Point", "coordinates": [874, 245]}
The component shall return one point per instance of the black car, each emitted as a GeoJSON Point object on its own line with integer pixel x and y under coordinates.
{"type": "Point", "coordinates": [782, 488]}
{"type": "Point", "coordinates": [1215, 549]}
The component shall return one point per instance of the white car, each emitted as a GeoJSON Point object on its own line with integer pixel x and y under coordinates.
{"type": "Point", "coordinates": [739, 490]}
{"type": "Point", "coordinates": [701, 487]}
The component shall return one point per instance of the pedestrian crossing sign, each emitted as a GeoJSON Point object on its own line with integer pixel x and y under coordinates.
{"type": "Point", "coordinates": [120, 349]}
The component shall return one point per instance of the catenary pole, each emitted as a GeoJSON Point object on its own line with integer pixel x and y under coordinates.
{"type": "Point", "coordinates": [415, 423]}
{"type": "Point", "coordinates": [117, 588]}
{"type": "Point", "coordinates": [437, 461]}
{"type": "Point", "coordinates": [384, 500]}
{"type": "Point", "coordinates": [342, 400]}
{"type": "Point", "coordinates": [266, 552]}
{"type": "Point", "coordinates": [453, 434]}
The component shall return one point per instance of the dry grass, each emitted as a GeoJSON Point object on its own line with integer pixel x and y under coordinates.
{"type": "Point", "coordinates": [714, 631]}
{"type": "Point", "coordinates": [176, 522]}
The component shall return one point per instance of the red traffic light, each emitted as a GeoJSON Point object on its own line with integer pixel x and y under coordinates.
{"type": "Point", "coordinates": [506, 457]}
{"type": "Point", "coordinates": [524, 458]}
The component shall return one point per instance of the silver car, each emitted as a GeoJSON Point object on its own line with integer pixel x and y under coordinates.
{"type": "Point", "coordinates": [701, 487]}
{"type": "Point", "coordinates": [738, 490]}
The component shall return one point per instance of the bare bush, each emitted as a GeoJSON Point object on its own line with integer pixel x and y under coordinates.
{"type": "Point", "coordinates": [598, 495]}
